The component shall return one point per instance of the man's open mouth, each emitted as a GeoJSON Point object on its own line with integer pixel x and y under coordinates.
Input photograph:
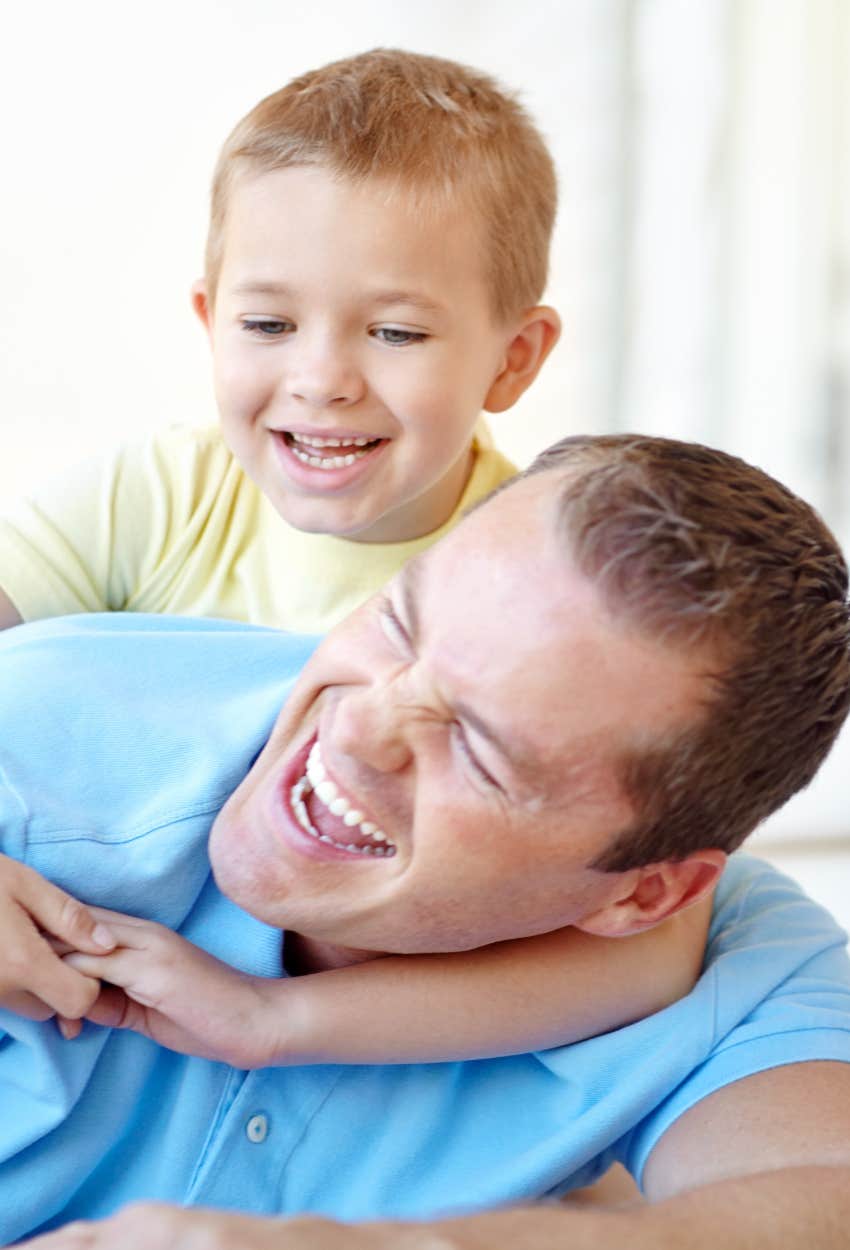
{"type": "Point", "coordinates": [328, 815]}
{"type": "Point", "coordinates": [329, 453]}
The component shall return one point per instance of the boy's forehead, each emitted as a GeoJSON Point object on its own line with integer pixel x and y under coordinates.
{"type": "Point", "coordinates": [428, 202]}
{"type": "Point", "coordinates": [417, 235]}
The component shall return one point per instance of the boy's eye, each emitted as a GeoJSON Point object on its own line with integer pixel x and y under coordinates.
{"type": "Point", "coordinates": [266, 327]}
{"type": "Point", "coordinates": [394, 337]}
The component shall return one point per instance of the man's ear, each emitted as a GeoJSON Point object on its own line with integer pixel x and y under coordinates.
{"type": "Point", "coordinates": [655, 892]}
{"type": "Point", "coordinates": [532, 341]}
{"type": "Point", "coordinates": [201, 304]}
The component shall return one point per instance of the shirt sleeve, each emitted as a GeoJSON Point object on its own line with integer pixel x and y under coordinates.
{"type": "Point", "coordinates": [779, 973]}
{"type": "Point", "coordinates": [99, 537]}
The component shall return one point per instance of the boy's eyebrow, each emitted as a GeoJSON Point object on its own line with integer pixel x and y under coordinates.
{"type": "Point", "coordinates": [258, 287]}
{"type": "Point", "coordinates": [412, 298]}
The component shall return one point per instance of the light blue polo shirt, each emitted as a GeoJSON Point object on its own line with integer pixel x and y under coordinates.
{"type": "Point", "coordinates": [120, 737]}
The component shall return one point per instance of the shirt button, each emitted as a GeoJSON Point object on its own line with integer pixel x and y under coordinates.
{"type": "Point", "coordinates": [257, 1128]}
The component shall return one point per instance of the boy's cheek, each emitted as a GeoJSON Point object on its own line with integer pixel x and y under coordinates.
{"type": "Point", "coordinates": [238, 378]}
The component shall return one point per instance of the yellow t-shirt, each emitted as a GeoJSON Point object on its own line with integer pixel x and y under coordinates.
{"type": "Point", "coordinates": [173, 524]}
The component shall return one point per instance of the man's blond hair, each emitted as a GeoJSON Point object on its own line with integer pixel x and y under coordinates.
{"type": "Point", "coordinates": [419, 124]}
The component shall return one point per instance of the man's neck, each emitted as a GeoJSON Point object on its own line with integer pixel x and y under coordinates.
{"type": "Point", "coordinates": [303, 954]}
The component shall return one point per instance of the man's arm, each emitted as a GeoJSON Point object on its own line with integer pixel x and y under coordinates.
{"type": "Point", "coordinates": [764, 1162]}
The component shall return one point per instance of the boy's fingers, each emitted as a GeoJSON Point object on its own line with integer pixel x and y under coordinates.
{"type": "Point", "coordinates": [107, 916]}
{"type": "Point", "coordinates": [33, 968]}
{"type": "Point", "coordinates": [69, 1028]}
{"type": "Point", "coordinates": [131, 931]}
{"type": "Point", "coordinates": [70, 993]}
{"type": "Point", "coordinates": [121, 968]}
{"type": "Point", "coordinates": [115, 1010]}
{"type": "Point", "coordinates": [26, 1005]}
{"type": "Point", "coordinates": [62, 916]}
{"type": "Point", "coordinates": [51, 987]}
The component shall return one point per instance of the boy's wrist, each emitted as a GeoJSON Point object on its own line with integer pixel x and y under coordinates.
{"type": "Point", "coordinates": [282, 1026]}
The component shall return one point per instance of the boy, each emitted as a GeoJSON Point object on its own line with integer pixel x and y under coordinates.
{"type": "Point", "coordinates": [377, 250]}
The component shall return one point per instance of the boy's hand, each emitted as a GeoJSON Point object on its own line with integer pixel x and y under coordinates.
{"type": "Point", "coordinates": [37, 921]}
{"type": "Point", "coordinates": [169, 990]}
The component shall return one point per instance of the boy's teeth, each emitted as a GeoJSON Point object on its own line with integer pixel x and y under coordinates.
{"type": "Point", "coordinates": [327, 462]}
{"type": "Point", "coordinates": [306, 446]}
{"type": "Point", "coordinates": [309, 441]}
{"type": "Point", "coordinates": [316, 780]}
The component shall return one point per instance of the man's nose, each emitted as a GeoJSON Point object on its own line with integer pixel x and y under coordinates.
{"type": "Point", "coordinates": [322, 372]}
{"type": "Point", "coordinates": [371, 726]}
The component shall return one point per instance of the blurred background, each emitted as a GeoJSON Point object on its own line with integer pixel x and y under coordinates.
{"type": "Point", "coordinates": [701, 262]}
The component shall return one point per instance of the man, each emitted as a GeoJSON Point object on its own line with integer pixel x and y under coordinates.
{"type": "Point", "coordinates": [649, 654]}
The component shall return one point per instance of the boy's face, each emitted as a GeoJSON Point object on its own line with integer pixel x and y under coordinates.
{"type": "Point", "coordinates": [354, 347]}
{"type": "Point", "coordinates": [479, 735]}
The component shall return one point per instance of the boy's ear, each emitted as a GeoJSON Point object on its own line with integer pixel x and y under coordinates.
{"type": "Point", "coordinates": [656, 892]}
{"type": "Point", "coordinates": [201, 304]}
{"type": "Point", "coordinates": [533, 340]}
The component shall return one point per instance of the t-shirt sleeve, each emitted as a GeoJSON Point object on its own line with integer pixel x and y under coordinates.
{"type": "Point", "coordinates": [98, 537]}
{"type": "Point", "coordinates": [776, 948]}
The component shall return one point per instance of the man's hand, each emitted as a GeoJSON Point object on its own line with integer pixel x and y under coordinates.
{"type": "Point", "coordinates": [169, 990]}
{"type": "Point", "coordinates": [37, 922]}
{"type": "Point", "coordinates": [155, 1226]}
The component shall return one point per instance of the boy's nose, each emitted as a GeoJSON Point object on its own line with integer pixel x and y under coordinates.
{"type": "Point", "coordinates": [322, 374]}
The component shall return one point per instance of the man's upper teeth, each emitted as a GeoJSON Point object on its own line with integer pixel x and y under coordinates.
{"type": "Point", "coordinates": [337, 803]}
{"type": "Point", "coordinates": [311, 441]}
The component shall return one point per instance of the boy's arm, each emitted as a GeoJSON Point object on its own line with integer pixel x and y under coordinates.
{"type": "Point", "coordinates": [504, 999]}
{"type": "Point", "coordinates": [9, 614]}
{"type": "Point", "coordinates": [509, 998]}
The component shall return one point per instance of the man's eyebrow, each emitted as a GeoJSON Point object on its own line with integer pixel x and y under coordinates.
{"type": "Point", "coordinates": [408, 584]}
{"type": "Point", "coordinates": [522, 763]}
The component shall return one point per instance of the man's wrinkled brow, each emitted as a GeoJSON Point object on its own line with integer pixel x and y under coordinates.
{"type": "Point", "coordinates": [409, 588]}
{"type": "Point", "coordinates": [523, 764]}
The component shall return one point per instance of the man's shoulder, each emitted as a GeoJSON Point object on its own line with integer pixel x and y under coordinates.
{"type": "Point", "coordinates": [115, 729]}
{"type": "Point", "coordinates": [775, 990]}
{"type": "Point", "coordinates": [754, 898]}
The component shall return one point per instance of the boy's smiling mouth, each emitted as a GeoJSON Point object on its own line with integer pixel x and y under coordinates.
{"type": "Point", "coordinates": [324, 812]}
{"type": "Point", "coordinates": [321, 452]}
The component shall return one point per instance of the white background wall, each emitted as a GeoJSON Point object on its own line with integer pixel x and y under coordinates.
{"type": "Point", "coordinates": [702, 260]}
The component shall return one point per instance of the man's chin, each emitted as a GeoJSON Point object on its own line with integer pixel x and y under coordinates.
{"type": "Point", "coordinates": [229, 868]}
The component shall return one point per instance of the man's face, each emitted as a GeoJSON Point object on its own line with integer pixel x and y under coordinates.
{"type": "Point", "coordinates": [354, 346]}
{"type": "Point", "coordinates": [473, 716]}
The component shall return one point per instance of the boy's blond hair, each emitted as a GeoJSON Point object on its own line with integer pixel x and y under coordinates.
{"type": "Point", "coordinates": [418, 123]}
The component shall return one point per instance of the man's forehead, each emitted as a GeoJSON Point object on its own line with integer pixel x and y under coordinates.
{"type": "Point", "coordinates": [593, 687]}
{"type": "Point", "coordinates": [506, 684]}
